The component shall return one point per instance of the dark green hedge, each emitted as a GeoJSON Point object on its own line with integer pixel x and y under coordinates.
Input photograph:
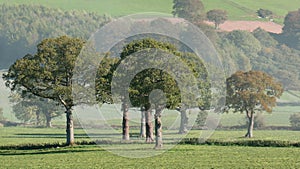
{"type": "Point", "coordinates": [250, 142]}
{"type": "Point", "coordinates": [187, 141]}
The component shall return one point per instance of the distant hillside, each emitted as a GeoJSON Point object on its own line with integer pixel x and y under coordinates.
{"type": "Point", "coordinates": [246, 9]}
{"type": "Point", "coordinates": [22, 27]}
{"type": "Point", "coordinates": [237, 9]}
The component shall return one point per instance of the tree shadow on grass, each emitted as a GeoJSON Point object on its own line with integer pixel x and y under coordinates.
{"type": "Point", "coordinates": [50, 135]}
{"type": "Point", "coordinates": [39, 152]}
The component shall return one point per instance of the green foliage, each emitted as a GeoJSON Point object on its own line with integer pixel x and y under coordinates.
{"type": "Point", "coordinates": [246, 41]}
{"type": "Point", "coordinates": [264, 38]}
{"type": "Point", "coordinates": [25, 114]}
{"type": "Point", "coordinates": [146, 43]}
{"type": "Point", "coordinates": [217, 16]}
{"type": "Point", "coordinates": [48, 73]}
{"type": "Point", "coordinates": [295, 120]}
{"type": "Point", "coordinates": [191, 10]}
{"type": "Point", "coordinates": [150, 79]}
{"type": "Point", "coordinates": [104, 78]}
{"type": "Point", "coordinates": [291, 29]}
{"type": "Point", "coordinates": [201, 118]}
{"type": "Point", "coordinates": [291, 23]}
{"type": "Point", "coordinates": [260, 50]}
{"type": "Point", "coordinates": [279, 61]}
{"type": "Point", "coordinates": [30, 108]}
{"type": "Point", "coordinates": [23, 26]}
{"type": "Point", "coordinates": [264, 13]}
{"type": "Point", "coordinates": [233, 58]}
{"type": "Point", "coordinates": [34, 23]}
{"type": "Point", "coordinates": [252, 143]}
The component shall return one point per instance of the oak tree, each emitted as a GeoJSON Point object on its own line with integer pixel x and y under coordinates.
{"type": "Point", "coordinates": [48, 74]}
{"type": "Point", "coordinates": [143, 83]}
{"type": "Point", "coordinates": [217, 16]}
{"type": "Point", "coordinates": [32, 108]}
{"type": "Point", "coordinates": [249, 92]}
{"type": "Point", "coordinates": [191, 10]}
{"type": "Point", "coordinates": [170, 63]}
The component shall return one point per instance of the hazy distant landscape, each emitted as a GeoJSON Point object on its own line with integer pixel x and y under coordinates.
{"type": "Point", "coordinates": [244, 42]}
{"type": "Point", "coordinates": [237, 9]}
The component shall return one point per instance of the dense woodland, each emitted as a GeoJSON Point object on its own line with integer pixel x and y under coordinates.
{"type": "Point", "coordinates": [24, 26]}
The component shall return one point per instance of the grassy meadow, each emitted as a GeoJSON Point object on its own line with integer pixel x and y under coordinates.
{"type": "Point", "coordinates": [26, 135]}
{"type": "Point", "coordinates": [237, 9]}
{"type": "Point", "coordinates": [180, 156]}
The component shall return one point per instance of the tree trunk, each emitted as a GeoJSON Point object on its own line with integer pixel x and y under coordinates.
{"type": "Point", "coordinates": [217, 26]}
{"type": "Point", "coordinates": [249, 133]}
{"type": "Point", "coordinates": [149, 126]}
{"type": "Point", "coordinates": [125, 123]}
{"type": "Point", "coordinates": [48, 121]}
{"type": "Point", "coordinates": [143, 124]}
{"type": "Point", "coordinates": [70, 127]}
{"type": "Point", "coordinates": [158, 127]}
{"type": "Point", "coordinates": [38, 119]}
{"type": "Point", "coordinates": [183, 122]}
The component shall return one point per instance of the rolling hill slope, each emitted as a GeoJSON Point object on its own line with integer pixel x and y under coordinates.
{"type": "Point", "coordinates": [237, 9]}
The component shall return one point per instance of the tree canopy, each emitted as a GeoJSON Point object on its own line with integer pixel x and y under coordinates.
{"type": "Point", "coordinates": [249, 92]}
{"type": "Point", "coordinates": [217, 16]}
{"type": "Point", "coordinates": [48, 74]}
{"type": "Point", "coordinates": [191, 10]}
{"type": "Point", "coordinates": [31, 108]}
{"type": "Point", "coordinates": [264, 13]}
{"type": "Point", "coordinates": [291, 30]}
{"type": "Point", "coordinates": [170, 64]}
{"type": "Point", "coordinates": [291, 23]}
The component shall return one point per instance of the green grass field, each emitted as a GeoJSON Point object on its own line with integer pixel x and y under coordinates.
{"type": "Point", "coordinates": [180, 156]}
{"type": "Point", "coordinates": [26, 135]}
{"type": "Point", "coordinates": [237, 9]}
{"type": "Point", "coordinates": [183, 156]}
{"type": "Point", "coordinates": [246, 9]}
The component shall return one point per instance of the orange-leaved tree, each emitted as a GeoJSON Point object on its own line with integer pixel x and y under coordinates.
{"type": "Point", "coordinates": [249, 92]}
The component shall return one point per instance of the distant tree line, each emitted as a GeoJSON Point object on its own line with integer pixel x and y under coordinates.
{"type": "Point", "coordinates": [24, 26]}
